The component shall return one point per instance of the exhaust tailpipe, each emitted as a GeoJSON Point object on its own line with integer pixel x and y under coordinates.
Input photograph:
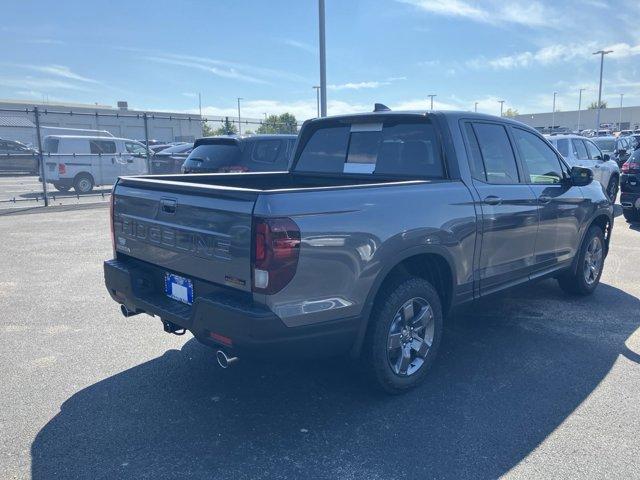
{"type": "Point", "coordinates": [128, 313]}
{"type": "Point", "coordinates": [224, 360]}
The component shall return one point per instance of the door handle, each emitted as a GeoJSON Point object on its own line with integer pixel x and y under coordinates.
{"type": "Point", "coordinates": [544, 199]}
{"type": "Point", "coordinates": [492, 200]}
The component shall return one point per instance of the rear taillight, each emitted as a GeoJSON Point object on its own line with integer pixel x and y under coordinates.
{"type": "Point", "coordinates": [630, 166]}
{"type": "Point", "coordinates": [275, 254]}
{"type": "Point", "coordinates": [62, 169]}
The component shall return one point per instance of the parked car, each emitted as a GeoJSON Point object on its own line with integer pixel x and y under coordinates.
{"type": "Point", "coordinates": [170, 159]}
{"type": "Point", "coordinates": [159, 147]}
{"type": "Point", "coordinates": [15, 157]}
{"type": "Point", "coordinates": [624, 133]}
{"type": "Point", "coordinates": [384, 223]}
{"type": "Point", "coordinates": [630, 188]}
{"type": "Point", "coordinates": [618, 149]}
{"type": "Point", "coordinates": [251, 153]}
{"type": "Point", "coordinates": [83, 162]}
{"type": "Point", "coordinates": [584, 152]}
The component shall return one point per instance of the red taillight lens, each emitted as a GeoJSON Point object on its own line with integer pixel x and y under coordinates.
{"type": "Point", "coordinates": [62, 169]}
{"type": "Point", "coordinates": [630, 166]}
{"type": "Point", "coordinates": [276, 251]}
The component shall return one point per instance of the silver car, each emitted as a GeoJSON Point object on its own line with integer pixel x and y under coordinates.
{"type": "Point", "coordinates": [583, 152]}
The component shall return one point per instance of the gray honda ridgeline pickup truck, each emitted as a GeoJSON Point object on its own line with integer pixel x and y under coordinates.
{"type": "Point", "coordinates": [383, 223]}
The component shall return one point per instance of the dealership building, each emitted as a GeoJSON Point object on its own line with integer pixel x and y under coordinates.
{"type": "Point", "coordinates": [17, 121]}
{"type": "Point", "coordinates": [628, 117]}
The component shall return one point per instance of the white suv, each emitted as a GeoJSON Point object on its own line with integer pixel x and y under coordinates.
{"type": "Point", "coordinates": [583, 152]}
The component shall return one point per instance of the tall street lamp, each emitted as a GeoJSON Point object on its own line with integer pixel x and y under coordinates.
{"type": "Point", "coordinates": [580, 106]}
{"type": "Point", "coordinates": [501, 102]}
{"type": "Point", "coordinates": [323, 60]}
{"type": "Point", "coordinates": [553, 112]}
{"type": "Point", "coordinates": [475, 107]}
{"type": "Point", "coordinates": [620, 116]}
{"type": "Point", "coordinates": [431, 97]}
{"type": "Point", "coordinates": [317, 88]}
{"type": "Point", "coordinates": [239, 126]}
{"type": "Point", "coordinates": [602, 53]}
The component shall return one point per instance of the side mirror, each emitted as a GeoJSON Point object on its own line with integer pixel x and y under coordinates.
{"type": "Point", "coordinates": [605, 157]}
{"type": "Point", "coordinates": [581, 176]}
{"type": "Point", "coordinates": [622, 151]}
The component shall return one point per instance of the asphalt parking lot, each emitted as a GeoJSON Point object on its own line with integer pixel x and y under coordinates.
{"type": "Point", "coordinates": [25, 191]}
{"type": "Point", "coordinates": [532, 384]}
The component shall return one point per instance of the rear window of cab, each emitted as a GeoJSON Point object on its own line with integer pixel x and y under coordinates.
{"type": "Point", "coordinates": [407, 148]}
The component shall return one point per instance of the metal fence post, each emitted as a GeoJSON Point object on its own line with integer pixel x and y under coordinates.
{"type": "Point", "coordinates": [41, 157]}
{"type": "Point", "coordinates": [146, 140]}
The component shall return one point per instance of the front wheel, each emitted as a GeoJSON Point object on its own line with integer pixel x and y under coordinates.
{"type": "Point", "coordinates": [590, 260]}
{"type": "Point", "coordinates": [404, 335]}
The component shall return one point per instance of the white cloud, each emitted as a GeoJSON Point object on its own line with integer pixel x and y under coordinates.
{"type": "Point", "coordinates": [552, 54]}
{"type": "Point", "coordinates": [495, 12]}
{"type": "Point", "coordinates": [62, 71]}
{"type": "Point", "coordinates": [41, 84]}
{"type": "Point", "coordinates": [357, 85]}
{"type": "Point", "coordinates": [300, 45]}
{"type": "Point", "coordinates": [190, 95]}
{"type": "Point", "coordinates": [219, 72]}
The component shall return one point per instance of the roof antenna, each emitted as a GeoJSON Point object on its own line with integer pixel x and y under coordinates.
{"type": "Point", "coordinates": [381, 107]}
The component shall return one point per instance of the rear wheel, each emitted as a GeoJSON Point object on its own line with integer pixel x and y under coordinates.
{"type": "Point", "coordinates": [404, 335]}
{"type": "Point", "coordinates": [83, 183]}
{"type": "Point", "coordinates": [612, 188]}
{"type": "Point", "coordinates": [587, 274]}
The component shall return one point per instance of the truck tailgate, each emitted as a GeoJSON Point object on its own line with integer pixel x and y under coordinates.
{"type": "Point", "coordinates": [197, 232]}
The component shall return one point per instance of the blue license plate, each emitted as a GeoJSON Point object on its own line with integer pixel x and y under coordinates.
{"type": "Point", "coordinates": [178, 288]}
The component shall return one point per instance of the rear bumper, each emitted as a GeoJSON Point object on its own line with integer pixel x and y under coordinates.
{"type": "Point", "coordinates": [217, 311]}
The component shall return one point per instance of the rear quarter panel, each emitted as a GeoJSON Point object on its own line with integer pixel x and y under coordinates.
{"type": "Point", "coordinates": [352, 236]}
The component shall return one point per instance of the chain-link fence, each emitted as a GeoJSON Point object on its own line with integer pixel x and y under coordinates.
{"type": "Point", "coordinates": [61, 156]}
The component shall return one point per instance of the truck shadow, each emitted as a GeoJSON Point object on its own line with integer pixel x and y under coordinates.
{"type": "Point", "coordinates": [511, 370]}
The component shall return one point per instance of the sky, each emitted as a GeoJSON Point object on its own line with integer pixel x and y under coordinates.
{"type": "Point", "coordinates": [159, 55]}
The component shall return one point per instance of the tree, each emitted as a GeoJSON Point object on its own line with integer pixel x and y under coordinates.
{"type": "Point", "coordinates": [207, 131]}
{"type": "Point", "coordinates": [594, 105]}
{"type": "Point", "coordinates": [511, 112]}
{"type": "Point", "coordinates": [227, 128]}
{"type": "Point", "coordinates": [285, 123]}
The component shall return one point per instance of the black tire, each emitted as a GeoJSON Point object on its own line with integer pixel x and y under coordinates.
{"type": "Point", "coordinates": [631, 215]}
{"type": "Point", "coordinates": [383, 317]}
{"type": "Point", "coordinates": [62, 187]}
{"type": "Point", "coordinates": [612, 188]}
{"type": "Point", "coordinates": [83, 183]}
{"type": "Point", "coordinates": [579, 282]}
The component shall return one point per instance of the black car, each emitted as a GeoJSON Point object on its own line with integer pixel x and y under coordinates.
{"type": "Point", "coordinates": [254, 153]}
{"type": "Point", "coordinates": [170, 159]}
{"type": "Point", "coordinates": [630, 187]}
{"type": "Point", "coordinates": [16, 157]}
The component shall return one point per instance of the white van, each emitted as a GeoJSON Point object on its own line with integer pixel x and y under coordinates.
{"type": "Point", "coordinates": [83, 162]}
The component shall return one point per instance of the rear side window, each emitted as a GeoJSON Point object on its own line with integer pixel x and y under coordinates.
{"type": "Point", "coordinates": [266, 151]}
{"type": "Point", "coordinates": [102, 146]}
{"type": "Point", "coordinates": [392, 148]}
{"type": "Point", "coordinates": [476, 165]}
{"type": "Point", "coordinates": [580, 149]}
{"type": "Point", "coordinates": [497, 154]}
{"type": "Point", "coordinates": [51, 145]}
{"type": "Point", "coordinates": [563, 147]}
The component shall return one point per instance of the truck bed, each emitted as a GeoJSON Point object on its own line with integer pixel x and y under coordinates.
{"type": "Point", "coordinates": [259, 182]}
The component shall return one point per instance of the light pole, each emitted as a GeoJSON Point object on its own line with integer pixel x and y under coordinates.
{"type": "Point", "coordinates": [323, 60]}
{"type": "Point", "coordinates": [553, 112]}
{"type": "Point", "coordinates": [620, 116]}
{"type": "Point", "coordinates": [317, 89]}
{"type": "Point", "coordinates": [602, 53]}
{"type": "Point", "coordinates": [239, 126]}
{"type": "Point", "coordinates": [431, 97]}
{"type": "Point", "coordinates": [501, 102]}
{"type": "Point", "coordinates": [475, 107]}
{"type": "Point", "coordinates": [580, 106]}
